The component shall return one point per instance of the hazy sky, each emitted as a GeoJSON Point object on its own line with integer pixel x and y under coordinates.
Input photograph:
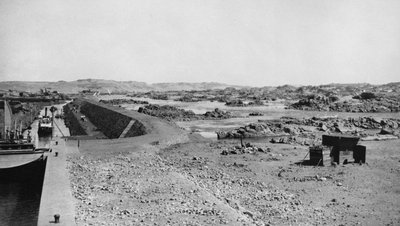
{"type": "Point", "coordinates": [248, 42]}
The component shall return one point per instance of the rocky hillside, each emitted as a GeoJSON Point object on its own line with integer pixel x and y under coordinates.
{"type": "Point", "coordinates": [105, 86]}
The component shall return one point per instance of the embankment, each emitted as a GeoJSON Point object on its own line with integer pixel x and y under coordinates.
{"type": "Point", "coordinates": [72, 122]}
{"type": "Point", "coordinates": [111, 122]}
{"type": "Point", "coordinates": [137, 128]}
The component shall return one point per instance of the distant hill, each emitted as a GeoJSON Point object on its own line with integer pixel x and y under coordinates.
{"type": "Point", "coordinates": [112, 86]}
{"type": "Point", "coordinates": [191, 86]}
{"type": "Point", "coordinates": [108, 85]}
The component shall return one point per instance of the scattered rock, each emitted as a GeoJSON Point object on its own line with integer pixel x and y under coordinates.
{"type": "Point", "coordinates": [386, 131]}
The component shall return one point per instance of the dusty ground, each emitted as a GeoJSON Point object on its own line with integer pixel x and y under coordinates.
{"type": "Point", "coordinates": [188, 182]}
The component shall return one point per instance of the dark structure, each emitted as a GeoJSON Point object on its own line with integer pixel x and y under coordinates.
{"type": "Point", "coordinates": [319, 156]}
{"type": "Point", "coordinates": [340, 148]}
{"type": "Point", "coordinates": [32, 171]}
{"type": "Point", "coordinates": [113, 122]}
{"type": "Point", "coordinates": [45, 125]}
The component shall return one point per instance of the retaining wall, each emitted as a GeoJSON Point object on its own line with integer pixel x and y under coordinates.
{"type": "Point", "coordinates": [110, 122]}
{"type": "Point", "coordinates": [72, 122]}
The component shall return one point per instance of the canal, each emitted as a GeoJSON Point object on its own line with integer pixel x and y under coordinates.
{"type": "Point", "coordinates": [20, 199]}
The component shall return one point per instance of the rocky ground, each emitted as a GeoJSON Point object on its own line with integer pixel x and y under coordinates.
{"type": "Point", "coordinates": [175, 178]}
{"type": "Point", "coordinates": [190, 182]}
{"type": "Point", "coordinates": [123, 101]}
{"type": "Point", "coordinates": [308, 131]}
{"type": "Point", "coordinates": [172, 113]}
{"type": "Point", "coordinates": [370, 103]}
{"type": "Point", "coordinates": [332, 97]}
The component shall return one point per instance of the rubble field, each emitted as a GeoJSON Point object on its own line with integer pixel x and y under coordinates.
{"type": "Point", "coordinates": [191, 182]}
{"type": "Point", "coordinates": [254, 173]}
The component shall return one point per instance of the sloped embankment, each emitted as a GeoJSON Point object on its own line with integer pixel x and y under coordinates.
{"type": "Point", "coordinates": [72, 122]}
{"type": "Point", "coordinates": [111, 123]}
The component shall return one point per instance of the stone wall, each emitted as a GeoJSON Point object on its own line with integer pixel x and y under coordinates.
{"type": "Point", "coordinates": [110, 122]}
{"type": "Point", "coordinates": [72, 122]}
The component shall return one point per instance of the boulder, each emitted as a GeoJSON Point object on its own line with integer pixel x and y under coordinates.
{"type": "Point", "coordinates": [376, 120]}
{"type": "Point", "coordinates": [259, 127]}
{"type": "Point", "coordinates": [340, 129]}
{"type": "Point", "coordinates": [283, 140]}
{"type": "Point", "coordinates": [392, 124]}
{"type": "Point", "coordinates": [386, 131]}
{"type": "Point", "coordinates": [222, 134]}
{"type": "Point", "coordinates": [291, 130]}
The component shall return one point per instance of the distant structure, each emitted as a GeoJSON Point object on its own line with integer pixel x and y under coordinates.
{"type": "Point", "coordinates": [7, 119]}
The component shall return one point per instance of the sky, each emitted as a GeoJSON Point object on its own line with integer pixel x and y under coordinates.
{"type": "Point", "coordinates": [246, 42]}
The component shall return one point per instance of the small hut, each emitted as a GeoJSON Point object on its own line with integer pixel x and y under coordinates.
{"type": "Point", "coordinates": [337, 149]}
